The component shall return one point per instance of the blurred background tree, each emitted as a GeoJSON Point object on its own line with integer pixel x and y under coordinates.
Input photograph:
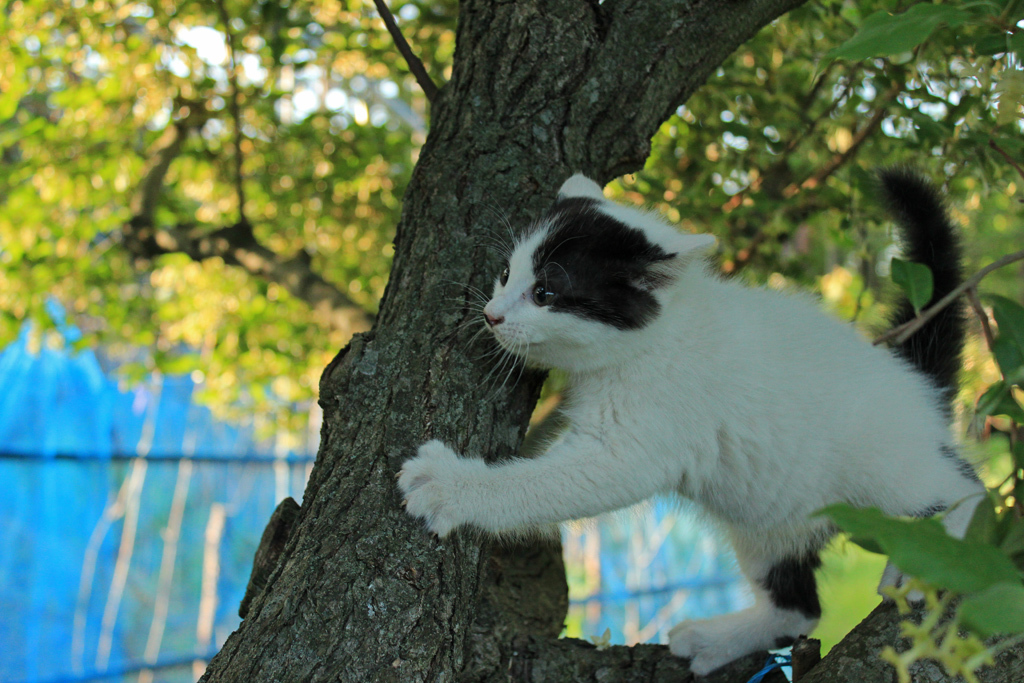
{"type": "Point", "coordinates": [218, 182]}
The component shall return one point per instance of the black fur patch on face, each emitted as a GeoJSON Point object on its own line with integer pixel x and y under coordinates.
{"type": "Point", "coordinates": [791, 585]}
{"type": "Point", "coordinates": [598, 267]}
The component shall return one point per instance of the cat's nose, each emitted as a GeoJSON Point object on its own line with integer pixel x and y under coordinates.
{"type": "Point", "coordinates": [492, 320]}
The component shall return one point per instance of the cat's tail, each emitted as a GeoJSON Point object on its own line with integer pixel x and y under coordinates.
{"type": "Point", "coordinates": [929, 237]}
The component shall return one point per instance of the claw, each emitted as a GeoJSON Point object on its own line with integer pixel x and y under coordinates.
{"type": "Point", "coordinates": [400, 473]}
{"type": "Point", "coordinates": [405, 503]}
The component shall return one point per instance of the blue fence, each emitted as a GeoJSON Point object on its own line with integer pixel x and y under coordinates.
{"type": "Point", "coordinates": [129, 520]}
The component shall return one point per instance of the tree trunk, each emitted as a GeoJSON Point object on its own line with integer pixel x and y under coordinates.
{"type": "Point", "coordinates": [540, 89]}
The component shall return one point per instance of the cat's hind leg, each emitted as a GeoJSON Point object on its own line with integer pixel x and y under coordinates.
{"type": "Point", "coordinates": [785, 607]}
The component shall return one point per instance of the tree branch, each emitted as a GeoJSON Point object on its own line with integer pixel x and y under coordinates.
{"type": "Point", "coordinates": [632, 85]}
{"type": "Point", "coordinates": [902, 333]}
{"type": "Point", "coordinates": [236, 109]}
{"type": "Point", "coordinates": [856, 660]}
{"type": "Point", "coordinates": [415, 65]}
{"type": "Point", "coordinates": [859, 137]}
{"type": "Point", "coordinates": [550, 660]}
{"type": "Point", "coordinates": [979, 311]}
{"type": "Point", "coordinates": [235, 244]}
{"type": "Point", "coordinates": [143, 203]}
{"type": "Point", "coordinates": [1010, 160]}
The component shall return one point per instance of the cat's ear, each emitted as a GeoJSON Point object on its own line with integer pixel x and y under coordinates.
{"type": "Point", "coordinates": [686, 246]}
{"type": "Point", "coordinates": [580, 186]}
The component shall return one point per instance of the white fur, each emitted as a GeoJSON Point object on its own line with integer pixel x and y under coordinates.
{"type": "Point", "coordinates": [753, 403]}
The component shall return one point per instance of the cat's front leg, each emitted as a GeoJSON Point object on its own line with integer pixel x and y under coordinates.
{"type": "Point", "coordinates": [579, 476]}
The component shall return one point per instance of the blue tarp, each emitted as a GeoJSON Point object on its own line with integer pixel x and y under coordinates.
{"type": "Point", "coordinates": [85, 529]}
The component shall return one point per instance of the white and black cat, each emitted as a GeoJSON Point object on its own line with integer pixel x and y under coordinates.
{"type": "Point", "coordinates": [752, 403]}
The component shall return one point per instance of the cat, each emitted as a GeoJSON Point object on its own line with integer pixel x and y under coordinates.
{"type": "Point", "coordinates": [751, 402]}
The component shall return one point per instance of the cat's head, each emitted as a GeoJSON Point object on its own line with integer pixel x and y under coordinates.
{"type": "Point", "coordinates": [589, 275]}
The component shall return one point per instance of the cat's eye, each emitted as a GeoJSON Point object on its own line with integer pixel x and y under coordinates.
{"type": "Point", "coordinates": [504, 277]}
{"type": "Point", "coordinates": [541, 296]}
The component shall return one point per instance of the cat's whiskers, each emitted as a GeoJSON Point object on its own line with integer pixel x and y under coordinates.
{"type": "Point", "coordinates": [521, 358]}
{"type": "Point", "coordinates": [503, 218]}
{"type": "Point", "coordinates": [485, 383]}
{"type": "Point", "coordinates": [495, 240]}
{"type": "Point", "coordinates": [508, 359]}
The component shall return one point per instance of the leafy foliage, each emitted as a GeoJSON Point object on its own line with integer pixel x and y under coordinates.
{"type": "Point", "coordinates": [883, 34]}
{"type": "Point", "coordinates": [773, 157]}
{"type": "Point", "coordinates": [330, 127]}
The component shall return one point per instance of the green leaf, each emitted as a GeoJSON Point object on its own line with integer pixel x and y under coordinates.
{"type": "Point", "coordinates": [990, 399]}
{"type": "Point", "coordinates": [1014, 146]}
{"type": "Point", "coordinates": [990, 44]}
{"type": "Point", "coordinates": [1009, 407]}
{"type": "Point", "coordinates": [984, 525]}
{"type": "Point", "coordinates": [930, 129]}
{"type": "Point", "coordinates": [884, 34]}
{"type": "Point", "coordinates": [1016, 43]}
{"type": "Point", "coordinates": [1010, 318]}
{"type": "Point", "coordinates": [997, 609]}
{"type": "Point", "coordinates": [916, 281]}
{"type": "Point", "coordinates": [922, 548]}
{"type": "Point", "coordinates": [1013, 540]}
{"type": "Point", "coordinates": [1009, 358]}
{"type": "Point", "coordinates": [998, 401]}
{"type": "Point", "coordinates": [179, 365]}
{"type": "Point", "coordinates": [868, 544]}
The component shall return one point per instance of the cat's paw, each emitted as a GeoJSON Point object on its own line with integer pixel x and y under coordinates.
{"type": "Point", "coordinates": [712, 643]}
{"type": "Point", "coordinates": [434, 484]}
{"type": "Point", "coordinates": [707, 643]}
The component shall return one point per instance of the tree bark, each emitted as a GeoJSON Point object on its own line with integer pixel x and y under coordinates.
{"type": "Point", "coordinates": [540, 89]}
{"type": "Point", "coordinates": [856, 660]}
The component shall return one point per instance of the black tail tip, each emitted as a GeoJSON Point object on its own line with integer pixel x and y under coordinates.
{"type": "Point", "coordinates": [920, 211]}
{"type": "Point", "coordinates": [910, 196]}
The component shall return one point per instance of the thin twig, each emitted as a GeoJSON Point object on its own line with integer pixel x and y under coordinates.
{"type": "Point", "coordinates": [236, 110]}
{"type": "Point", "coordinates": [857, 140]}
{"type": "Point", "coordinates": [744, 257]}
{"type": "Point", "coordinates": [1014, 430]}
{"type": "Point", "coordinates": [1010, 160]}
{"type": "Point", "coordinates": [986, 327]}
{"type": "Point", "coordinates": [808, 100]}
{"type": "Point", "coordinates": [415, 65]}
{"type": "Point", "coordinates": [901, 333]}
